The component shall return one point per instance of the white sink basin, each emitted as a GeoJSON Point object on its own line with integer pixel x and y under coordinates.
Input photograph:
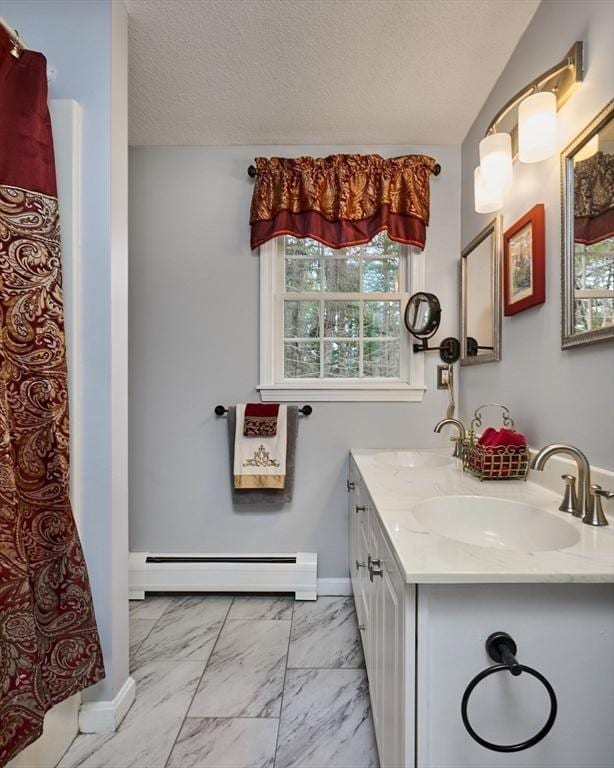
{"type": "Point", "coordinates": [497, 523]}
{"type": "Point", "coordinates": [410, 459]}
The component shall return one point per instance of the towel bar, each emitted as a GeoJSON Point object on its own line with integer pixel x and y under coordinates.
{"type": "Point", "coordinates": [221, 410]}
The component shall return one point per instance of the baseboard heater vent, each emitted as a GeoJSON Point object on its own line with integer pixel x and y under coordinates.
{"type": "Point", "coordinates": [218, 559]}
{"type": "Point", "coordinates": [195, 572]}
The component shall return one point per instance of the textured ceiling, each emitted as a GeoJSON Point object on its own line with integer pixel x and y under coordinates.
{"type": "Point", "coordinates": [221, 72]}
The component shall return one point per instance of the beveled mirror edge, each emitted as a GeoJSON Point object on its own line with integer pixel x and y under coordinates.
{"type": "Point", "coordinates": [569, 339]}
{"type": "Point", "coordinates": [493, 227]}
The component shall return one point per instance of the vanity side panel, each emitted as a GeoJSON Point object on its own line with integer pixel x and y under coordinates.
{"type": "Point", "coordinates": [410, 681]}
{"type": "Point", "coordinates": [564, 631]}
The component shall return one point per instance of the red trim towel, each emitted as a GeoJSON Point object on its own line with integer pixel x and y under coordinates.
{"type": "Point", "coordinates": [260, 419]}
{"type": "Point", "coordinates": [260, 463]}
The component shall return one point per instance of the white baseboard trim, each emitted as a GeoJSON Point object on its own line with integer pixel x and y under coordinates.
{"type": "Point", "coordinates": [298, 576]}
{"type": "Point", "coordinates": [105, 716]}
{"type": "Point", "coordinates": [334, 586]}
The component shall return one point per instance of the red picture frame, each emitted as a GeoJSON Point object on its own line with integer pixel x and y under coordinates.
{"type": "Point", "coordinates": [524, 263]}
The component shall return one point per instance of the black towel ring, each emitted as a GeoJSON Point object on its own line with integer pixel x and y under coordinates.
{"type": "Point", "coordinates": [501, 647]}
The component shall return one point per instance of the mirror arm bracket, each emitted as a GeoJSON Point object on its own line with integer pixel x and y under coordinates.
{"type": "Point", "coordinates": [449, 349]}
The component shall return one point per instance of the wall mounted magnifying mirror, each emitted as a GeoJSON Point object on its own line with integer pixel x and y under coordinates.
{"type": "Point", "coordinates": [587, 227]}
{"type": "Point", "coordinates": [481, 297]}
{"type": "Point", "coordinates": [422, 317]}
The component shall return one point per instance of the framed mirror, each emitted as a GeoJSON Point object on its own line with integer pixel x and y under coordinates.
{"type": "Point", "coordinates": [481, 297]}
{"type": "Point", "coordinates": [587, 234]}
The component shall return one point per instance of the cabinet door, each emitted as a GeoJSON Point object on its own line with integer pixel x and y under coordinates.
{"type": "Point", "coordinates": [354, 501]}
{"type": "Point", "coordinates": [364, 590]}
{"type": "Point", "coordinates": [359, 516]}
{"type": "Point", "coordinates": [387, 638]}
{"type": "Point", "coordinates": [564, 631]}
{"type": "Point", "coordinates": [392, 666]}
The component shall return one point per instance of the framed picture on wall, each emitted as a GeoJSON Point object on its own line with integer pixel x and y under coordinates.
{"type": "Point", "coordinates": [524, 276]}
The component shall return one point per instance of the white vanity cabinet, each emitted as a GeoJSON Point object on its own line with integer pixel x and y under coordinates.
{"type": "Point", "coordinates": [380, 595]}
{"type": "Point", "coordinates": [424, 642]}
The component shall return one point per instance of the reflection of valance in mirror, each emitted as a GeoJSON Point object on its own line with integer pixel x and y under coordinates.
{"type": "Point", "coordinates": [342, 200]}
{"type": "Point", "coordinates": [594, 199]}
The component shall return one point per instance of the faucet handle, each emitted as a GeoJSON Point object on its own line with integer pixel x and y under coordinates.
{"type": "Point", "coordinates": [596, 514]}
{"type": "Point", "coordinates": [458, 447]}
{"type": "Point", "coordinates": [570, 498]}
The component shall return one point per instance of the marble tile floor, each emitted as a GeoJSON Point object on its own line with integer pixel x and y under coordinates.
{"type": "Point", "coordinates": [240, 682]}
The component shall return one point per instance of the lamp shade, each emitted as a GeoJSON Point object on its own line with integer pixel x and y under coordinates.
{"type": "Point", "coordinates": [496, 159]}
{"type": "Point", "coordinates": [488, 195]}
{"type": "Point", "coordinates": [537, 127]}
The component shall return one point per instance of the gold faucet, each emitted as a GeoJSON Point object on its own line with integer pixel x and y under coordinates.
{"type": "Point", "coordinates": [458, 441]}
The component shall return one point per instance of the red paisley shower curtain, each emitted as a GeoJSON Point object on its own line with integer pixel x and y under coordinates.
{"type": "Point", "coordinates": [49, 645]}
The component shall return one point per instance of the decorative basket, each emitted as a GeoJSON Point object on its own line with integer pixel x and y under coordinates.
{"type": "Point", "coordinates": [501, 462]}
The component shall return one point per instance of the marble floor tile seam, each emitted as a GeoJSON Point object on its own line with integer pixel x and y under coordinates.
{"type": "Point", "coordinates": [302, 666]}
{"type": "Point", "coordinates": [288, 621]}
{"type": "Point", "coordinates": [283, 687]}
{"type": "Point", "coordinates": [228, 717]}
{"type": "Point", "coordinates": [135, 650]}
{"type": "Point", "coordinates": [198, 686]}
{"type": "Point", "coordinates": [198, 639]}
{"type": "Point", "coordinates": [153, 626]}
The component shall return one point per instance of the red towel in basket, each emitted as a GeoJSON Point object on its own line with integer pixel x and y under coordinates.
{"type": "Point", "coordinates": [493, 438]}
{"type": "Point", "coordinates": [497, 459]}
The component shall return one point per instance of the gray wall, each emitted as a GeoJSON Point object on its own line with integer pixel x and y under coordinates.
{"type": "Point", "coordinates": [555, 395]}
{"type": "Point", "coordinates": [76, 37]}
{"type": "Point", "coordinates": [194, 343]}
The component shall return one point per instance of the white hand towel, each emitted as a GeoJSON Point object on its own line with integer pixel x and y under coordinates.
{"type": "Point", "coordinates": [260, 462]}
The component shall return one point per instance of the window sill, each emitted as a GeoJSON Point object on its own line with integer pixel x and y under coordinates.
{"type": "Point", "coordinates": [334, 393]}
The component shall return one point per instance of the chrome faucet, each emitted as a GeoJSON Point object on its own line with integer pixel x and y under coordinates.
{"type": "Point", "coordinates": [458, 441]}
{"type": "Point", "coordinates": [589, 498]}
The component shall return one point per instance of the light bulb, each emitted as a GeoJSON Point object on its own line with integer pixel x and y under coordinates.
{"type": "Point", "coordinates": [496, 159]}
{"type": "Point", "coordinates": [488, 195]}
{"type": "Point", "coordinates": [537, 127]}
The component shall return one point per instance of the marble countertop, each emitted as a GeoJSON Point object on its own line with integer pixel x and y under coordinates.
{"type": "Point", "coordinates": [426, 557]}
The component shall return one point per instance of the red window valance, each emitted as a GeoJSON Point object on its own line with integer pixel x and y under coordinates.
{"type": "Point", "coordinates": [342, 200]}
{"type": "Point", "coordinates": [594, 199]}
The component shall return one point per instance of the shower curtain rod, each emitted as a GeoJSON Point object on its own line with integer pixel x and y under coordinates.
{"type": "Point", "coordinates": [252, 172]}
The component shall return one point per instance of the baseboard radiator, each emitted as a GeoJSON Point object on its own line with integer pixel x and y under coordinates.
{"type": "Point", "coordinates": [196, 572]}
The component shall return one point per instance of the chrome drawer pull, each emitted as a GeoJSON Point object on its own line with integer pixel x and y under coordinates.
{"type": "Point", "coordinates": [375, 568]}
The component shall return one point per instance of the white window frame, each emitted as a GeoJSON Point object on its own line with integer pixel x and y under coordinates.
{"type": "Point", "coordinates": [273, 388]}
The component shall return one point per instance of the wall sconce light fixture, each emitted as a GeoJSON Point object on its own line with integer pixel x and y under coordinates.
{"type": "Point", "coordinates": [532, 138]}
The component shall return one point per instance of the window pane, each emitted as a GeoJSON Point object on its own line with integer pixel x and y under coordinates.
{"type": "Point", "coordinates": [302, 275]}
{"type": "Point", "coordinates": [594, 267]}
{"type": "Point", "coordinates": [341, 359]}
{"type": "Point", "coordinates": [301, 359]}
{"type": "Point", "coordinates": [381, 245]}
{"type": "Point", "coordinates": [301, 319]}
{"type": "Point", "coordinates": [295, 246]}
{"type": "Point", "coordinates": [382, 318]}
{"type": "Point", "coordinates": [593, 313]}
{"type": "Point", "coordinates": [341, 318]}
{"type": "Point", "coordinates": [381, 359]}
{"type": "Point", "coordinates": [342, 275]}
{"type": "Point", "coordinates": [380, 275]}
